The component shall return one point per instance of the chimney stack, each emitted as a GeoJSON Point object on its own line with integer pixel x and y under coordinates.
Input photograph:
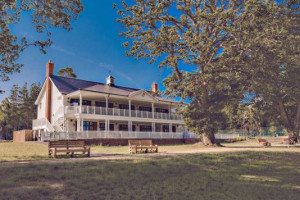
{"type": "Point", "coordinates": [154, 87]}
{"type": "Point", "coordinates": [49, 71]}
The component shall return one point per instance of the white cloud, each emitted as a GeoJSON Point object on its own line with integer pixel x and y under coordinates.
{"type": "Point", "coordinates": [58, 48]}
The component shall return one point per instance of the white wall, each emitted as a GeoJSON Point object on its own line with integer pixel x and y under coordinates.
{"type": "Point", "coordinates": [56, 100]}
{"type": "Point", "coordinates": [42, 106]}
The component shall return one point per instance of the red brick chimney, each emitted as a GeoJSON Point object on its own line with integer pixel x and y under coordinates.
{"type": "Point", "coordinates": [154, 87]}
{"type": "Point", "coordinates": [49, 71]}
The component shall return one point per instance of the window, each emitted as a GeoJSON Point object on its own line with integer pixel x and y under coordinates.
{"type": "Point", "coordinates": [100, 104]}
{"type": "Point", "coordinates": [103, 104]}
{"type": "Point", "coordinates": [165, 128]}
{"type": "Point", "coordinates": [86, 103]}
{"type": "Point", "coordinates": [102, 126]}
{"type": "Point", "coordinates": [123, 127]}
{"type": "Point", "coordinates": [74, 102]}
{"type": "Point", "coordinates": [174, 129]}
{"type": "Point", "coordinates": [111, 127]}
{"type": "Point", "coordinates": [124, 106]}
{"type": "Point", "coordinates": [144, 108]}
{"type": "Point", "coordinates": [161, 110]}
{"type": "Point", "coordinates": [89, 126]}
{"type": "Point", "coordinates": [145, 128]}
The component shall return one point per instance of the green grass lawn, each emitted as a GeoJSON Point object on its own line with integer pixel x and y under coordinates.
{"type": "Point", "coordinates": [234, 175]}
{"type": "Point", "coordinates": [10, 151]}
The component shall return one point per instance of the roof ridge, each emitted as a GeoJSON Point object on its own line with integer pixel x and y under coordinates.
{"type": "Point", "coordinates": [76, 79]}
{"type": "Point", "coordinates": [117, 86]}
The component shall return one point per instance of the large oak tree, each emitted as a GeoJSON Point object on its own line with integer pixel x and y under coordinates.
{"type": "Point", "coordinates": [211, 45]}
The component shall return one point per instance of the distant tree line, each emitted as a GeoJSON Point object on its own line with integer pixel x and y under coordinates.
{"type": "Point", "coordinates": [18, 110]}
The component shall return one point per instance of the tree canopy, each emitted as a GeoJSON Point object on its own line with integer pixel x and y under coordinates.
{"type": "Point", "coordinates": [18, 110]}
{"type": "Point", "coordinates": [45, 15]}
{"type": "Point", "coordinates": [210, 46]}
{"type": "Point", "coordinates": [67, 72]}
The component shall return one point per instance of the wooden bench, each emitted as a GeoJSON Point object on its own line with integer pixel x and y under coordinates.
{"type": "Point", "coordinates": [264, 142]}
{"type": "Point", "coordinates": [142, 145]}
{"type": "Point", "coordinates": [288, 141]}
{"type": "Point", "coordinates": [67, 146]}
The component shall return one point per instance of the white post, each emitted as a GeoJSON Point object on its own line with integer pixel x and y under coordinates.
{"type": "Point", "coordinates": [106, 104]}
{"type": "Point", "coordinates": [153, 110]}
{"type": "Point", "coordinates": [169, 111]}
{"type": "Point", "coordinates": [78, 124]}
{"type": "Point", "coordinates": [129, 104]}
{"type": "Point", "coordinates": [153, 127]}
{"type": "Point", "coordinates": [80, 102]}
{"type": "Point", "coordinates": [129, 128]}
{"type": "Point", "coordinates": [64, 123]}
{"type": "Point", "coordinates": [108, 125]}
{"type": "Point", "coordinates": [170, 127]}
{"type": "Point", "coordinates": [81, 124]}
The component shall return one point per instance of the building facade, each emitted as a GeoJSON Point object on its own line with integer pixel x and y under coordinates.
{"type": "Point", "coordinates": [70, 108]}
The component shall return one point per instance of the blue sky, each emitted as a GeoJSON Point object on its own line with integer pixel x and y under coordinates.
{"type": "Point", "coordinates": [92, 48]}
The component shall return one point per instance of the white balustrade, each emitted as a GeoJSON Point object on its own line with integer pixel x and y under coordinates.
{"type": "Point", "coordinates": [119, 112]}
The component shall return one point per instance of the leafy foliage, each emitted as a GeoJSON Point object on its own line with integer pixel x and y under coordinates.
{"type": "Point", "coordinates": [195, 39]}
{"type": "Point", "coordinates": [18, 110]}
{"type": "Point", "coordinates": [218, 50]}
{"type": "Point", "coordinates": [67, 72]}
{"type": "Point", "coordinates": [273, 41]}
{"type": "Point", "coordinates": [45, 15]}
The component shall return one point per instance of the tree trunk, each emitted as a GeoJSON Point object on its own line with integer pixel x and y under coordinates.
{"type": "Point", "coordinates": [297, 122]}
{"type": "Point", "coordinates": [208, 138]}
{"type": "Point", "coordinates": [283, 115]}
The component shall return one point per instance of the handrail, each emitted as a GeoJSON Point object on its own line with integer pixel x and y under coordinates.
{"type": "Point", "coordinates": [42, 123]}
{"type": "Point", "coordinates": [112, 135]}
{"type": "Point", "coordinates": [120, 112]}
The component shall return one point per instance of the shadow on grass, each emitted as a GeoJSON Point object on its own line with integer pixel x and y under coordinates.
{"type": "Point", "coordinates": [238, 175]}
{"type": "Point", "coordinates": [262, 147]}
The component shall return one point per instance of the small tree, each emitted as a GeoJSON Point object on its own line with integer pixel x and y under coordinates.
{"type": "Point", "coordinates": [67, 72]}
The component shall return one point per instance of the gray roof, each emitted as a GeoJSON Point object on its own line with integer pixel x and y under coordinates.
{"type": "Point", "coordinates": [67, 85]}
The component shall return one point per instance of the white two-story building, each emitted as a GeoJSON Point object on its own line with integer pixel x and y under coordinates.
{"type": "Point", "coordinates": [70, 108]}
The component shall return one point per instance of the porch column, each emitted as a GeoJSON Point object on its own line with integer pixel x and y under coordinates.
{"type": "Point", "coordinates": [170, 127]}
{"type": "Point", "coordinates": [169, 111]}
{"type": "Point", "coordinates": [80, 102]}
{"type": "Point", "coordinates": [78, 124]}
{"type": "Point", "coordinates": [108, 125]}
{"type": "Point", "coordinates": [153, 110]}
{"type": "Point", "coordinates": [129, 126]}
{"type": "Point", "coordinates": [106, 104]}
{"type": "Point", "coordinates": [81, 124]}
{"type": "Point", "coordinates": [129, 104]}
{"type": "Point", "coordinates": [153, 126]}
